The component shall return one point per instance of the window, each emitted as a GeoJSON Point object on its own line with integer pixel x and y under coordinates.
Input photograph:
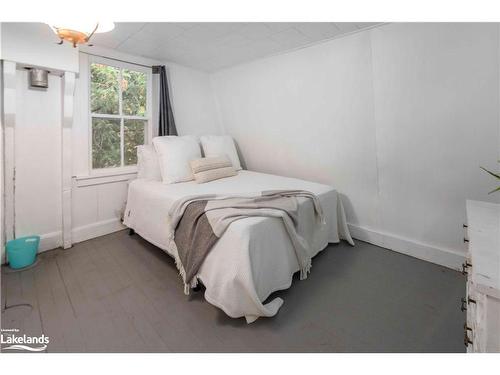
{"type": "Point", "coordinates": [118, 113]}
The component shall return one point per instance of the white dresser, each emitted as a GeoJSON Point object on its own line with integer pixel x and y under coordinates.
{"type": "Point", "coordinates": [482, 301]}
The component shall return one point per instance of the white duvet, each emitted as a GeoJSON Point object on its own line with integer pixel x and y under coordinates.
{"type": "Point", "coordinates": [254, 257]}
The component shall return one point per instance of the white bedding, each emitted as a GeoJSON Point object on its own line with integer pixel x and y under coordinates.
{"type": "Point", "coordinates": [254, 257]}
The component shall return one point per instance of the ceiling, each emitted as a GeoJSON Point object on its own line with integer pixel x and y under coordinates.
{"type": "Point", "coordinates": [213, 46]}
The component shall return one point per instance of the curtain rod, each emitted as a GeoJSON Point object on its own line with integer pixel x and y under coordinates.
{"type": "Point", "coordinates": [123, 61]}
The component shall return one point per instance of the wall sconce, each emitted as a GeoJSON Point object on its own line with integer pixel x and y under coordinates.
{"type": "Point", "coordinates": [39, 78]}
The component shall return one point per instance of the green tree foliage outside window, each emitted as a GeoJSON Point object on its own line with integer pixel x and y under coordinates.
{"type": "Point", "coordinates": [105, 143]}
{"type": "Point", "coordinates": [134, 93]}
{"type": "Point", "coordinates": [104, 89]}
{"type": "Point", "coordinates": [109, 87]}
{"type": "Point", "coordinates": [133, 136]}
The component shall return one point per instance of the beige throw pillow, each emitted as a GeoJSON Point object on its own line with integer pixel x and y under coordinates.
{"type": "Point", "coordinates": [214, 168]}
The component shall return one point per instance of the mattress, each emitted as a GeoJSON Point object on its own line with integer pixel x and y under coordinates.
{"type": "Point", "coordinates": [255, 256]}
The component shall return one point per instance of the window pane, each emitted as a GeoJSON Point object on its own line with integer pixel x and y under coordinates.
{"type": "Point", "coordinates": [104, 89]}
{"type": "Point", "coordinates": [133, 136]}
{"type": "Point", "coordinates": [134, 93]}
{"type": "Point", "coordinates": [105, 143]}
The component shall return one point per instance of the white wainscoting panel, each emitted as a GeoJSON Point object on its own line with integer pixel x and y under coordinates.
{"type": "Point", "coordinates": [93, 230]}
{"type": "Point", "coordinates": [98, 204]}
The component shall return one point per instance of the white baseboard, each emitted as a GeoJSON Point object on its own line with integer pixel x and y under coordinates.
{"type": "Point", "coordinates": [101, 228]}
{"type": "Point", "coordinates": [444, 257]}
{"type": "Point", "coordinates": [49, 241]}
{"type": "Point", "coordinates": [433, 254]}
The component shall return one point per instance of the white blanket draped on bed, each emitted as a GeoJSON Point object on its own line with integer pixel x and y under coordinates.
{"type": "Point", "coordinates": [254, 257]}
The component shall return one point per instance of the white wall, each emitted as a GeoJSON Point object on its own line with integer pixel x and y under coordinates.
{"type": "Point", "coordinates": [36, 44]}
{"type": "Point", "coordinates": [308, 114]}
{"type": "Point", "coordinates": [436, 89]}
{"type": "Point", "coordinates": [38, 160]}
{"type": "Point", "coordinates": [193, 101]}
{"type": "Point", "coordinates": [397, 118]}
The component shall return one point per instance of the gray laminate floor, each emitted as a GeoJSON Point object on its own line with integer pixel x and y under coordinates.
{"type": "Point", "coordinates": [120, 294]}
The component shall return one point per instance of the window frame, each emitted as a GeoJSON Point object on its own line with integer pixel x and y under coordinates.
{"type": "Point", "coordinates": [147, 118]}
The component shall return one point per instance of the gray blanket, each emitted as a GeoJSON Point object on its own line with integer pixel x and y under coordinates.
{"type": "Point", "coordinates": [197, 222]}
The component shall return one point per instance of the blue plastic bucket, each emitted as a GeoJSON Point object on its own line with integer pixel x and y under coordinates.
{"type": "Point", "coordinates": [21, 252]}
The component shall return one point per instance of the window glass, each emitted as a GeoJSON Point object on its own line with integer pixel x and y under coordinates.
{"type": "Point", "coordinates": [134, 93]}
{"type": "Point", "coordinates": [105, 143]}
{"type": "Point", "coordinates": [118, 112]}
{"type": "Point", "coordinates": [104, 89]}
{"type": "Point", "coordinates": [133, 137]}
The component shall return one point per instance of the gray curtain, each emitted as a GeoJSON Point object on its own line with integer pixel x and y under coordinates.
{"type": "Point", "coordinates": [166, 121]}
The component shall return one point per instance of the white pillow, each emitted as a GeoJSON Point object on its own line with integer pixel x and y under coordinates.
{"type": "Point", "coordinates": [174, 155]}
{"type": "Point", "coordinates": [220, 145]}
{"type": "Point", "coordinates": [147, 163]}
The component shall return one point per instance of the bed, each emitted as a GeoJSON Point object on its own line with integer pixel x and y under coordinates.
{"type": "Point", "coordinates": [255, 256]}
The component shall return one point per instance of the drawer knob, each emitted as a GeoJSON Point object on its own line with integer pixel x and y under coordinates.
{"type": "Point", "coordinates": [467, 341]}
{"type": "Point", "coordinates": [464, 268]}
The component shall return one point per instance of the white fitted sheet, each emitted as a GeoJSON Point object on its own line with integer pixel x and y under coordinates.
{"type": "Point", "coordinates": [254, 257]}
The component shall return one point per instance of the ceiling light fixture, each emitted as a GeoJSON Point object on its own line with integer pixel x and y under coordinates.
{"type": "Point", "coordinates": [80, 32]}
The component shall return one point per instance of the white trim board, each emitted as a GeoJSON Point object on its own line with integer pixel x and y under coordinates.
{"type": "Point", "coordinates": [68, 91]}
{"type": "Point", "coordinates": [92, 180]}
{"type": "Point", "coordinates": [50, 241]}
{"type": "Point", "coordinates": [444, 257]}
{"type": "Point", "coordinates": [101, 228]}
{"type": "Point", "coordinates": [53, 240]}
